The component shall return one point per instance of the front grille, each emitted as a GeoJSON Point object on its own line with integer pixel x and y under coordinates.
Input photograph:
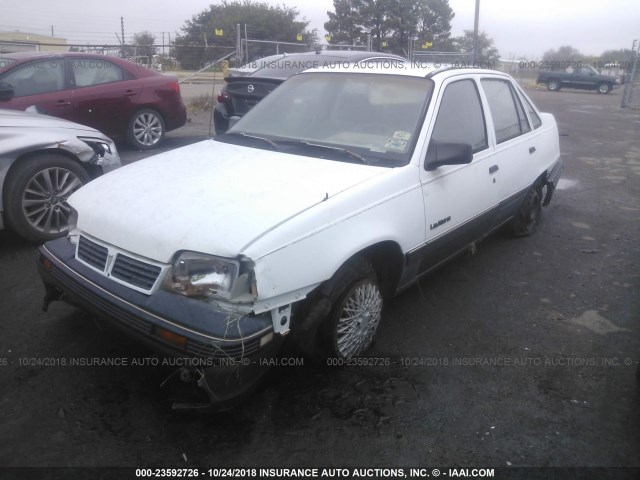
{"type": "Point", "coordinates": [92, 253]}
{"type": "Point", "coordinates": [135, 272]}
{"type": "Point", "coordinates": [109, 309]}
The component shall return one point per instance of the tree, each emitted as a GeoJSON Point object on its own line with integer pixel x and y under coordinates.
{"type": "Point", "coordinates": [621, 56]}
{"type": "Point", "coordinates": [345, 24]}
{"type": "Point", "coordinates": [564, 54]}
{"type": "Point", "coordinates": [392, 22]}
{"type": "Point", "coordinates": [486, 51]}
{"type": "Point", "coordinates": [143, 45]}
{"type": "Point", "coordinates": [213, 31]}
{"type": "Point", "coordinates": [434, 24]}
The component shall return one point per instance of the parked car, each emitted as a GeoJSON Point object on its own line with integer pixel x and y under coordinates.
{"type": "Point", "coordinates": [585, 78]}
{"type": "Point", "coordinates": [107, 93]}
{"type": "Point", "coordinates": [241, 93]}
{"type": "Point", "coordinates": [43, 160]}
{"type": "Point", "coordinates": [251, 67]}
{"type": "Point", "coordinates": [338, 189]}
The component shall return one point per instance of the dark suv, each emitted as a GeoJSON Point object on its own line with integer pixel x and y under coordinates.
{"type": "Point", "coordinates": [240, 94]}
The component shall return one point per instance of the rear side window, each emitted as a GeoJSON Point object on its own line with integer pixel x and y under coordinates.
{"type": "Point", "coordinates": [507, 112]}
{"type": "Point", "coordinates": [460, 117]}
{"type": "Point", "coordinates": [535, 118]}
{"type": "Point", "coordinates": [34, 78]}
{"type": "Point", "coordinates": [89, 72]}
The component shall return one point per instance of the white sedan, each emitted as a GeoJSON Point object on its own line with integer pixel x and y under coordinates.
{"type": "Point", "coordinates": [340, 188]}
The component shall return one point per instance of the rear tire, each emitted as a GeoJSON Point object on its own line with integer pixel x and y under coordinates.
{"type": "Point", "coordinates": [526, 220]}
{"type": "Point", "coordinates": [36, 192]}
{"type": "Point", "coordinates": [146, 129]}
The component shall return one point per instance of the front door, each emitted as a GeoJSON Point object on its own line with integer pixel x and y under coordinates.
{"type": "Point", "coordinates": [459, 200]}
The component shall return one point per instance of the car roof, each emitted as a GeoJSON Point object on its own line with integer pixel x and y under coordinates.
{"type": "Point", "coordinates": [290, 64]}
{"type": "Point", "coordinates": [429, 70]}
{"type": "Point", "coordinates": [22, 57]}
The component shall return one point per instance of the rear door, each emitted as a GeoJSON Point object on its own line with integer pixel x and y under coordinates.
{"type": "Point", "coordinates": [104, 95]}
{"type": "Point", "coordinates": [516, 147]}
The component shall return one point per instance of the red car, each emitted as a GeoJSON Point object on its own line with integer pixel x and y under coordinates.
{"type": "Point", "coordinates": [110, 94]}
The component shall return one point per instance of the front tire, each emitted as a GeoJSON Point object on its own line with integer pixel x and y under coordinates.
{"type": "Point", "coordinates": [355, 319]}
{"type": "Point", "coordinates": [36, 193]}
{"type": "Point", "coordinates": [340, 318]}
{"type": "Point", "coordinates": [146, 129]}
{"type": "Point", "coordinates": [604, 88]}
{"type": "Point", "coordinates": [526, 220]}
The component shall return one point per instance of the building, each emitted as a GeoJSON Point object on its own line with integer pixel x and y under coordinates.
{"type": "Point", "coordinates": [29, 42]}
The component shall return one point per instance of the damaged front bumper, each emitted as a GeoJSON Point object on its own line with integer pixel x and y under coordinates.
{"type": "Point", "coordinates": [170, 324]}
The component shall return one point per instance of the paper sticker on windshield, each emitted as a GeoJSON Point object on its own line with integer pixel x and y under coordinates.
{"type": "Point", "coordinates": [394, 144]}
{"type": "Point", "coordinates": [400, 135]}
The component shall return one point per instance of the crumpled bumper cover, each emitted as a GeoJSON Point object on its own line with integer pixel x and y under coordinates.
{"type": "Point", "coordinates": [196, 329]}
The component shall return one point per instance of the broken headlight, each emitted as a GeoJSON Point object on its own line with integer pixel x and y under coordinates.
{"type": "Point", "coordinates": [100, 147]}
{"type": "Point", "coordinates": [210, 277]}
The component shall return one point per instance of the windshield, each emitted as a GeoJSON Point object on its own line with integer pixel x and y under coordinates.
{"type": "Point", "coordinates": [373, 117]}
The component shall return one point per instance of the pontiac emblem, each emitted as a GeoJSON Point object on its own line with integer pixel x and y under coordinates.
{"type": "Point", "coordinates": [250, 89]}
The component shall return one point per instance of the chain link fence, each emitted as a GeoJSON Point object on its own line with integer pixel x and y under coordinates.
{"type": "Point", "coordinates": [631, 93]}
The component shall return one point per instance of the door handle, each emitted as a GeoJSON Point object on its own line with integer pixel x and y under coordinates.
{"type": "Point", "coordinates": [129, 93]}
{"type": "Point", "coordinates": [532, 149]}
{"type": "Point", "coordinates": [493, 169]}
{"type": "Point", "coordinates": [63, 103]}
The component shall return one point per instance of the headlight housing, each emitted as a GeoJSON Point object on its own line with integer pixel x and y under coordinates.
{"type": "Point", "coordinates": [99, 146]}
{"type": "Point", "coordinates": [209, 277]}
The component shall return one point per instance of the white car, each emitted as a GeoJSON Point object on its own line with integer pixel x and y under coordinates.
{"type": "Point", "coordinates": [340, 188]}
{"type": "Point", "coordinates": [43, 160]}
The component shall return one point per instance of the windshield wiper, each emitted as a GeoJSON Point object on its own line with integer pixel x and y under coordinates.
{"type": "Point", "coordinates": [255, 137]}
{"type": "Point", "coordinates": [342, 150]}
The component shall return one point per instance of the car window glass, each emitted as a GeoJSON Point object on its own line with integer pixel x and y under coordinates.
{"type": "Point", "coordinates": [507, 114]}
{"type": "Point", "coordinates": [460, 118]}
{"type": "Point", "coordinates": [376, 116]}
{"type": "Point", "coordinates": [36, 77]}
{"type": "Point", "coordinates": [535, 118]}
{"type": "Point", "coordinates": [89, 72]}
{"type": "Point", "coordinates": [522, 117]}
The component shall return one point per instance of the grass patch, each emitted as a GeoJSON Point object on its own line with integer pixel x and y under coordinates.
{"type": "Point", "coordinates": [200, 104]}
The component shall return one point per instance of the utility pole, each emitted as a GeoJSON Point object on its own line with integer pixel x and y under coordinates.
{"type": "Point", "coordinates": [52, 31]}
{"type": "Point", "coordinates": [122, 53]}
{"type": "Point", "coordinates": [238, 46]}
{"type": "Point", "coordinates": [169, 33]}
{"type": "Point", "coordinates": [475, 31]}
{"type": "Point", "coordinates": [163, 44]}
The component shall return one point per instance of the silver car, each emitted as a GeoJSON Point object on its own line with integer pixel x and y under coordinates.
{"type": "Point", "coordinates": [43, 160]}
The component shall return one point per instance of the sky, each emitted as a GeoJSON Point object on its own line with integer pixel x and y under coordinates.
{"type": "Point", "coordinates": [520, 29]}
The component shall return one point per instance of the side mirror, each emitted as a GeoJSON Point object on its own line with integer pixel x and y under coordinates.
{"type": "Point", "coordinates": [445, 153]}
{"type": "Point", "coordinates": [6, 91]}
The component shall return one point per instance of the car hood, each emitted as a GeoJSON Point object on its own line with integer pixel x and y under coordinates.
{"type": "Point", "coordinates": [208, 197]}
{"type": "Point", "coordinates": [20, 119]}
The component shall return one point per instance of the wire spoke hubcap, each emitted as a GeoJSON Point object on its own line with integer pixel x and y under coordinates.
{"type": "Point", "coordinates": [359, 319]}
{"type": "Point", "coordinates": [44, 199]}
